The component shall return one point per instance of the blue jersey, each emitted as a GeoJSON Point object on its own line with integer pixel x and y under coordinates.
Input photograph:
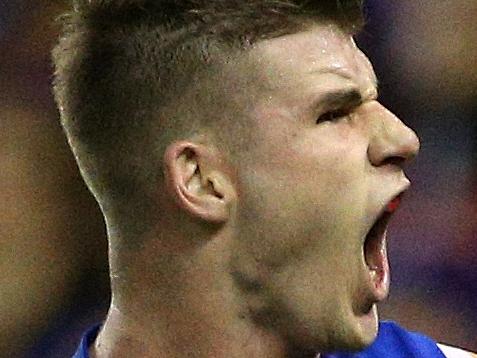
{"type": "Point", "coordinates": [393, 341]}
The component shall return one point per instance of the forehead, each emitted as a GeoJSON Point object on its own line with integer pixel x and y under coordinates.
{"type": "Point", "coordinates": [321, 50]}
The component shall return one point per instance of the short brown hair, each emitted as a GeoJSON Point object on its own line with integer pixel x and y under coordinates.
{"type": "Point", "coordinates": [121, 64]}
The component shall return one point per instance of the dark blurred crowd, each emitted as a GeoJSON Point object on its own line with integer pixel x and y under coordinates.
{"type": "Point", "coordinates": [53, 247]}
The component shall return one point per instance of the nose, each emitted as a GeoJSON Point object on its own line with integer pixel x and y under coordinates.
{"type": "Point", "coordinates": [391, 141]}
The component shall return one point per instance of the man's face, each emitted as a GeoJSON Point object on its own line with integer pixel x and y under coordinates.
{"type": "Point", "coordinates": [325, 161]}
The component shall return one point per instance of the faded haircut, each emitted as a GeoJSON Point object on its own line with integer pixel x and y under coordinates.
{"type": "Point", "coordinates": [131, 77]}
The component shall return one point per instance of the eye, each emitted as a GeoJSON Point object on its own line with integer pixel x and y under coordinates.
{"type": "Point", "coordinates": [332, 116]}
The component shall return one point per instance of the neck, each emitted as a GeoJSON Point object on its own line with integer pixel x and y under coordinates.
{"type": "Point", "coordinates": [197, 313]}
{"type": "Point", "coordinates": [119, 338]}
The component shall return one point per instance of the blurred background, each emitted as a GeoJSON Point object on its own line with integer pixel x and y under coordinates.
{"type": "Point", "coordinates": [53, 248]}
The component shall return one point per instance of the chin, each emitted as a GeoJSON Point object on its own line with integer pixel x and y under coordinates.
{"type": "Point", "coordinates": [364, 331]}
{"type": "Point", "coordinates": [354, 333]}
{"type": "Point", "coordinates": [348, 333]}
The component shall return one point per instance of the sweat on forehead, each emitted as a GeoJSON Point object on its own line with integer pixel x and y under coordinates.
{"type": "Point", "coordinates": [317, 51]}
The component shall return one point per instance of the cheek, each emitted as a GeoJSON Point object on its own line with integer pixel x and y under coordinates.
{"type": "Point", "coordinates": [298, 184]}
{"type": "Point", "coordinates": [332, 159]}
{"type": "Point", "coordinates": [294, 204]}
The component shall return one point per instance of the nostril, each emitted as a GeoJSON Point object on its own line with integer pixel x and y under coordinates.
{"type": "Point", "coordinates": [398, 161]}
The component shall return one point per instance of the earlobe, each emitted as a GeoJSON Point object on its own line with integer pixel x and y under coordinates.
{"type": "Point", "coordinates": [193, 182]}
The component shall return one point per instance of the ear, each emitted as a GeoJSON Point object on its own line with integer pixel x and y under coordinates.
{"type": "Point", "coordinates": [196, 181]}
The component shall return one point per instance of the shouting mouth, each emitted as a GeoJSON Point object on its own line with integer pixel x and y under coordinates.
{"type": "Point", "coordinates": [375, 253]}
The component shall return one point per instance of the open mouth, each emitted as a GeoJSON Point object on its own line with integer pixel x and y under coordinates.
{"type": "Point", "coordinates": [375, 243]}
{"type": "Point", "coordinates": [375, 253]}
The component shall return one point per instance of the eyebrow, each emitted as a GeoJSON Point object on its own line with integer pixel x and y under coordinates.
{"type": "Point", "coordinates": [349, 97]}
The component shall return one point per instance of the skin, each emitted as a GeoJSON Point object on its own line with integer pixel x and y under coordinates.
{"type": "Point", "coordinates": [262, 255]}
